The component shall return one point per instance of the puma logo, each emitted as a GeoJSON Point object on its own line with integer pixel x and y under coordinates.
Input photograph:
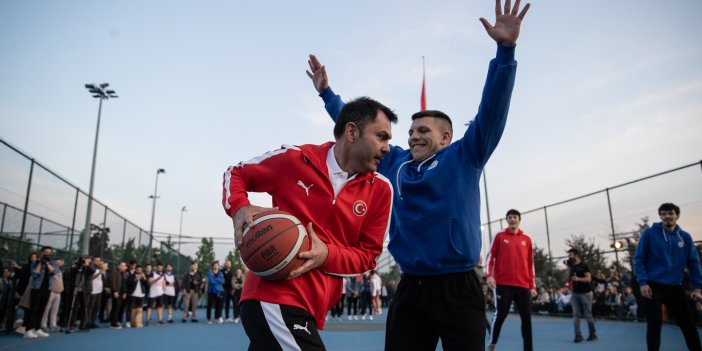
{"type": "Point", "coordinates": [307, 188]}
{"type": "Point", "coordinates": [299, 327]}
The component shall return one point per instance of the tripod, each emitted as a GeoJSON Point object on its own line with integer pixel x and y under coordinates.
{"type": "Point", "coordinates": [78, 281]}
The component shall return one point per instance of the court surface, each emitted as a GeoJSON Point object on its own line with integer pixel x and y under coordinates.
{"type": "Point", "coordinates": [550, 334]}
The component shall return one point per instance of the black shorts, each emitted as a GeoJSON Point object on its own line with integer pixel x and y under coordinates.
{"type": "Point", "coordinates": [156, 302]}
{"type": "Point", "coordinates": [279, 327]}
{"type": "Point", "coordinates": [168, 300]}
{"type": "Point", "coordinates": [424, 310]}
{"type": "Point", "coordinates": [137, 302]}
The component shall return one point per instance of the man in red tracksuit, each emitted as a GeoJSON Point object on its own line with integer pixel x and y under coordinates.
{"type": "Point", "coordinates": [334, 189]}
{"type": "Point", "coordinates": [510, 270]}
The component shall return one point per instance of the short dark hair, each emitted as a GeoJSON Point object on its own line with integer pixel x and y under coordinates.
{"type": "Point", "coordinates": [514, 212]}
{"type": "Point", "coordinates": [46, 247]}
{"type": "Point", "coordinates": [361, 111]}
{"type": "Point", "coordinates": [669, 207]}
{"type": "Point", "coordinates": [575, 251]}
{"type": "Point", "coordinates": [433, 113]}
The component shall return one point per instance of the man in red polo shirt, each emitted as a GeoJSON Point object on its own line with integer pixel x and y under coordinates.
{"type": "Point", "coordinates": [510, 269]}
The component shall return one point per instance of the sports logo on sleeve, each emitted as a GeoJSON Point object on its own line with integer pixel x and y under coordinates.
{"type": "Point", "coordinates": [359, 208]}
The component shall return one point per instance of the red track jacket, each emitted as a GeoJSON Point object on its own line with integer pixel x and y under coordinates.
{"type": "Point", "coordinates": [511, 260]}
{"type": "Point", "coordinates": [353, 225]}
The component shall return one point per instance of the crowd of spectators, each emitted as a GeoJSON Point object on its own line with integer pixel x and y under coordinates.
{"type": "Point", "coordinates": [46, 295]}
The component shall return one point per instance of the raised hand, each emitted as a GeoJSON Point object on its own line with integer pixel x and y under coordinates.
{"type": "Point", "coordinates": [507, 22]}
{"type": "Point", "coordinates": [318, 74]}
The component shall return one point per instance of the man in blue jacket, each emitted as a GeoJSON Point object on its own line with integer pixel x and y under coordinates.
{"type": "Point", "coordinates": [663, 252]}
{"type": "Point", "coordinates": [435, 230]}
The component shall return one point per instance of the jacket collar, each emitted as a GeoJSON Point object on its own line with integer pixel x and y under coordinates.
{"type": "Point", "coordinates": [316, 156]}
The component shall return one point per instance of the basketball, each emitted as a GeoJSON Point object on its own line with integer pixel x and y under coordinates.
{"type": "Point", "coordinates": [269, 248]}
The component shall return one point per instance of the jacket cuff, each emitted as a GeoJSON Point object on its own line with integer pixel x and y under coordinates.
{"type": "Point", "coordinates": [505, 53]}
{"type": "Point", "coordinates": [327, 94]}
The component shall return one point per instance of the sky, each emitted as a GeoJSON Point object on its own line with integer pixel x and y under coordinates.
{"type": "Point", "coordinates": [606, 92]}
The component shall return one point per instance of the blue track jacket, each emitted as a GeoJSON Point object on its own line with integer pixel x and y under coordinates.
{"type": "Point", "coordinates": [661, 257]}
{"type": "Point", "coordinates": [435, 227]}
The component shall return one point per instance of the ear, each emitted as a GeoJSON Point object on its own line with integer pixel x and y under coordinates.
{"type": "Point", "coordinates": [446, 137]}
{"type": "Point", "coordinates": [351, 132]}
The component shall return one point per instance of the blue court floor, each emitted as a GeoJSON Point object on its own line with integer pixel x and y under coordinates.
{"type": "Point", "coordinates": [550, 334]}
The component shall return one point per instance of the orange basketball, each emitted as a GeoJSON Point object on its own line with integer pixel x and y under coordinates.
{"type": "Point", "coordinates": [270, 247]}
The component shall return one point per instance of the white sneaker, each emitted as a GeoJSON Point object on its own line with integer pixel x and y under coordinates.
{"type": "Point", "coordinates": [129, 325]}
{"type": "Point", "coordinates": [20, 330]}
{"type": "Point", "coordinates": [229, 320]}
{"type": "Point", "coordinates": [29, 334]}
{"type": "Point", "coordinates": [236, 320]}
{"type": "Point", "coordinates": [355, 317]}
{"type": "Point", "coordinates": [350, 318]}
{"type": "Point", "coordinates": [371, 317]}
{"type": "Point", "coordinates": [363, 317]}
{"type": "Point", "coordinates": [40, 333]}
{"type": "Point", "coordinates": [209, 321]}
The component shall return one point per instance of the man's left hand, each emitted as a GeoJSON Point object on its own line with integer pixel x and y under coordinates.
{"type": "Point", "coordinates": [507, 22]}
{"type": "Point", "coordinates": [315, 257]}
{"type": "Point", "coordinates": [533, 293]}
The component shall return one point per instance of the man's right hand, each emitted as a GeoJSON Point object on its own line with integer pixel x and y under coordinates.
{"type": "Point", "coordinates": [646, 292]}
{"type": "Point", "coordinates": [491, 282]}
{"type": "Point", "coordinates": [243, 218]}
{"type": "Point", "coordinates": [318, 74]}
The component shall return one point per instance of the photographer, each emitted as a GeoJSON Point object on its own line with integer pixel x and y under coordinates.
{"type": "Point", "coordinates": [40, 284]}
{"type": "Point", "coordinates": [79, 287]}
{"type": "Point", "coordinates": [581, 300]}
{"type": "Point", "coordinates": [136, 287]}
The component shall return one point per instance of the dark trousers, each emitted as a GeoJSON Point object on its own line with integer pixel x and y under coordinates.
{"type": "Point", "coordinates": [228, 299]}
{"type": "Point", "coordinates": [93, 306]}
{"type": "Point", "coordinates": [366, 303]}
{"type": "Point", "coordinates": [117, 311]}
{"type": "Point", "coordinates": [352, 305]}
{"type": "Point", "coordinates": [216, 301]}
{"type": "Point", "coordinates": [103, 307]}
{"type": "Point", "coordinates": [237, 308]}
{"type": "Point", "coordinates": [504, 295]}
{"type": "Point", "coordinates": [448, 307]}
{"type": "Point", "coordinates": [338, 309]}
{"type": "Point", "coordinates": [38, 299]}
{"type": "Point", "coordinates": [676, 302]}
{"type": "Point", "coordinates": [79, 310]}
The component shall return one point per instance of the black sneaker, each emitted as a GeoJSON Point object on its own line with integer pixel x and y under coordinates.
{"type": "Point", "coordinates": [183, 321]}
{"type": "Point", "coordinates": [578, 338]}
{"type": "Point", "coordinates": [592, 337]}
{"type": "Point", "coordinates": [170, 321]}
{"type": "Point", "coordinates": [194, 320]}
{"type": "Point", "coordinates": [161, 323]}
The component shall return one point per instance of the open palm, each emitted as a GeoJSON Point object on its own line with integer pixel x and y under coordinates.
{"type": "Point", "coordinates": [507, 22]}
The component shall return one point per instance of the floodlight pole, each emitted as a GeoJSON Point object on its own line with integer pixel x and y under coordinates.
{"type": "Point", "coordinates": [100, 93]}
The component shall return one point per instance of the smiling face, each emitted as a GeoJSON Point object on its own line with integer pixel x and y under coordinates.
{"type": "Point", "coordinates": [427, 136]}
{"type": "Point", "coordinates": [369, 146]}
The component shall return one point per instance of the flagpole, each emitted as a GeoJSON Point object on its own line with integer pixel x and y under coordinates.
{"type": "Point", "coordinates": [423, 99]}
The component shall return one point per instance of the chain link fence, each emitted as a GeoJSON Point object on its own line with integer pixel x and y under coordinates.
{"type": "Point", "coordinates": [40, 208]}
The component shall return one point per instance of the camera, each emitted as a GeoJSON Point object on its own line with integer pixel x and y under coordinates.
{"type": "Point", "coordinates": [569, 262]}
{"type": "Point", "coordinates": [45, 258]}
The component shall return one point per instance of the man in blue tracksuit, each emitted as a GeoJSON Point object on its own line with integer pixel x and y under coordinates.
{"type": "Point", "coordinates": [662, 254]}
{"type": "Point", "coordinates": [435, 229]}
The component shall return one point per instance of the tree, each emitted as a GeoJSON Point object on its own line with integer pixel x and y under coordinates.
{"type": "Point", "coordinates": [125, 252]}
{"type": "Point", "coordinates": [234, 256]}
{"type": "Point", "coordinates": [550, 274]}
{"type": "Point", "coordinates": [205, 255]}
{"type": "Point", "coordinates": [589, 252]}
{"type": "Point", "coordinates": [99, 244]}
